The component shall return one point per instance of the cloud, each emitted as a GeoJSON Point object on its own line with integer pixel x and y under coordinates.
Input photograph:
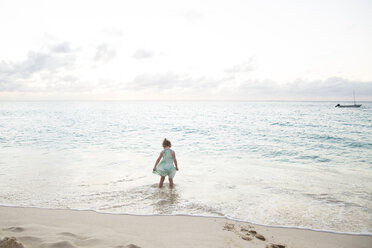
{"type": "Point", "coordinates": [244, 67]}
{"type": "Point", "coordinates": [105, 53]}
{"type": "Point", "coordinates": [143, 54]}
{"type": "Point", "coordinates": [63, 47]}
{"type": "Point", "coordinates": [35, 62]}
{"type": "Point", "coordinates": [159, 81]}
{"type": "Point", "coordinates": [331, 88]}
{"type": "Point", "coordinates": [191, 14]}
{"type": "Point", "coordinates": [112, 32]}
{"type": "Point", "coordinates": [55, 69]}
{"type": "Point", "coordinates": [38, 70]}
{"type": "Point", "coordinates": [164, 81]}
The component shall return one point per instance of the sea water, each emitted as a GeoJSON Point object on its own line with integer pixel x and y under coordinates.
{"type": "Point", "coordinates": [297, 164]}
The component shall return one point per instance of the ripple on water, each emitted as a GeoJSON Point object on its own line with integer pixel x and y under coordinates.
{"type": "Point", "coordinates": [94, 155]}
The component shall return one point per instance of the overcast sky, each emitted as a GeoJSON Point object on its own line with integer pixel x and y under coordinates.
{"type": "Point", "coordinates": [185, 50]}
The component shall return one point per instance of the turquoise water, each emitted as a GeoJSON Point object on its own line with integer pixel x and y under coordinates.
{"type": "Point", "coordinates": [302, 164]}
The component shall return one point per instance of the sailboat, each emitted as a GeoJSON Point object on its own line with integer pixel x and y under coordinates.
{"type": "Point", "coordinates": [349, 106]}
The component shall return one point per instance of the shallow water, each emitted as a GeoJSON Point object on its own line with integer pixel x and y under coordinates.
{"type": "Point", "coordinates": [303, 164]}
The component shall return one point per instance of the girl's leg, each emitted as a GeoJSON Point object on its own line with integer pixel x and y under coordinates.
{"type": "Point", "coordinates": [161, 181]}
{"type": "Point", "coordinates": [170, 182]}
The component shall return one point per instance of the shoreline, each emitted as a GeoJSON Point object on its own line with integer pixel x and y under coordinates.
{"type": "Point", "coordinates": [39, 227]}
{"type": "Point", "coordinates": [197, 216]}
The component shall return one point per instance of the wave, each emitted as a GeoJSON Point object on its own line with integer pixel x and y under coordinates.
{"type": "Point", "coordinates": [200, 216]}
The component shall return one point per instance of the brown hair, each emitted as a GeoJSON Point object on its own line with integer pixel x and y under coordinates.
{"type": "Point", "coordinates": [166, 143]}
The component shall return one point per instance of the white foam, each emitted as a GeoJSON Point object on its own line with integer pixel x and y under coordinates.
{"type": "Point", "coordinates": [201, 216]}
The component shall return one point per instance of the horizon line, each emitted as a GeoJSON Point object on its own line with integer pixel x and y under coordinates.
{"type": "Point", "coordinates": [157, 100]}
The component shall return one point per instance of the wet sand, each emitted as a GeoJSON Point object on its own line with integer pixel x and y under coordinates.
{"type": "Point", "coordinates": [46, 228]}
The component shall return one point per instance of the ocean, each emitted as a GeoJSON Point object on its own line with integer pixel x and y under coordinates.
{"type": "Point", "coordinates": [292, 164]}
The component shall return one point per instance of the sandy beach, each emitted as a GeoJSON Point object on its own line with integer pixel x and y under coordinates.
{"type": "Point", "coordinates": [46, 228]}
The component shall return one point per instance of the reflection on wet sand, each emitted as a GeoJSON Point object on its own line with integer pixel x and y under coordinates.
{"type": "Point", "coordinates": [166, 200]}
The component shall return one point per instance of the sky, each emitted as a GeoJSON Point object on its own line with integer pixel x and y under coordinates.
{"type": "Point", "coordinates": [186, 50]}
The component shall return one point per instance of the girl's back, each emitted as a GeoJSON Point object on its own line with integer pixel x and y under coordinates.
{"type": "Point", "coordinates": [167, 156]}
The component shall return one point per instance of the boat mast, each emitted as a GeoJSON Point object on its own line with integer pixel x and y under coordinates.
{"type": "Point", "coordinates": [354, 96]}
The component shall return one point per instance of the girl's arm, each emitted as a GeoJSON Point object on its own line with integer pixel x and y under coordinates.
{"type": "Point", "coordinates": [158, 160]}
{"type": "Point", "coordinates": [174, 159]}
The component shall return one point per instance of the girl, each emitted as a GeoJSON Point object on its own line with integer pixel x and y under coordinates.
{"type": "Point", "coordinates": [166, 167]}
